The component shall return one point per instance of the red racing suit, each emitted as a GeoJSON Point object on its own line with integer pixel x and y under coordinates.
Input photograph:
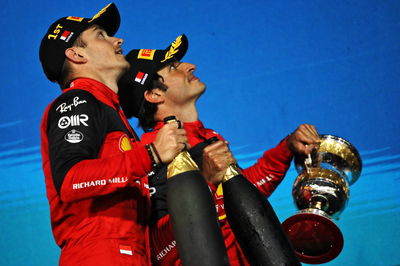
{"type": "Point", "coordinates": [266, 175]}
{"type": "Point", "coordinates": [95, 173]}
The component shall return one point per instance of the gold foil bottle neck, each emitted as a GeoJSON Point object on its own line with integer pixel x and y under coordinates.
{"type": "Point", "coordinates": [231, 171]}
{"type": "Point", "coordinates": [183, 162]}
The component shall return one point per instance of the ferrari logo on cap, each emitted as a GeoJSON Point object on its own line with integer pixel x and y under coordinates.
{"type": "Point", "coordinates": [146, 54]}
{"type": "Point", "coordinates": [78, 19]}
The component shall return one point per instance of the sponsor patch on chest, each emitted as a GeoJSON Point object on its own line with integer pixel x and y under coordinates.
{"type": "Point", "coordinates": [125, 143]}
{"type": "Point", "coordinates": [73, 136]}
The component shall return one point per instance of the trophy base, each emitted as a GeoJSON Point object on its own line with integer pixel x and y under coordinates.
{"type": "Point", "coordinates": [314, 236]}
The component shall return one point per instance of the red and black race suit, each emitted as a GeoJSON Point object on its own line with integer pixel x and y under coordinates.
{"type": "Point", "coordinates": [266, 175]}
{"type": "Point", "coordinates": [95, 172]}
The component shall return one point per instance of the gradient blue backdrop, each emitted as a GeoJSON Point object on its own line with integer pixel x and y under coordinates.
{"type": "Point", "coordinates": [269, 66]}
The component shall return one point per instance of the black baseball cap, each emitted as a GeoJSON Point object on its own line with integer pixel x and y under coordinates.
{"type": "Point", "coordinates": [144, 65]}
{"type": "Point", "coordinates": [62, 34]}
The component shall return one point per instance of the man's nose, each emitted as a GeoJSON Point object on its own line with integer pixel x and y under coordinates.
{"type": "Point", "coordinates": [189, 67]}
{"type": "Point", "coordinates": [118, 41]}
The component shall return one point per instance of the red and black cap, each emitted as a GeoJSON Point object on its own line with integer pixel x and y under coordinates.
{"type": "Point", "coordinates": [144, 65]}
{"type": "Point", "coordinates": [62, 34]}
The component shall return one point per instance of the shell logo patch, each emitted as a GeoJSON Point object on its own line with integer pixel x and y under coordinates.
{"type": "Point", "coordinates": [125, 143]}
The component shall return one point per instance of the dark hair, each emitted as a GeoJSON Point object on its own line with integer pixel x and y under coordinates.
{"type": "Point", "coordinates": [146, 115]}
{"type": "Point", "coordinates": [64, 79]}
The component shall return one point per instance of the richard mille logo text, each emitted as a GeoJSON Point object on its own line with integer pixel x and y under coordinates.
{"type": "Point", "coordinates": [100, 182]}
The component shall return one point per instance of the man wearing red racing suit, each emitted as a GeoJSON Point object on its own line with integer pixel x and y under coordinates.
{"type": "Point", "coordinates": [95, 168]}
{"type": "Point", "coordinates": [94, 201]}
{"type": "Point", "coordinates": [266, 174]}
{"type": "Point", "coordinates": [157, 86]}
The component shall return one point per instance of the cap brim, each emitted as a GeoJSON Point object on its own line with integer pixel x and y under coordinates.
{"type": "Point", "coordinates": [108, 18]}
{"type": "Point", "coordinates": [175, 51]}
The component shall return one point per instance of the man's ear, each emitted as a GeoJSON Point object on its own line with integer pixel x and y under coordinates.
{"type": "Point", "coordinates": [154, 96]}
{"type": "Point", "coordinates": [74, 55]}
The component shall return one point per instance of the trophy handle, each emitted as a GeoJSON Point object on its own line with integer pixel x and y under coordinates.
{"type": "Point", "coordinates": [337, 154]}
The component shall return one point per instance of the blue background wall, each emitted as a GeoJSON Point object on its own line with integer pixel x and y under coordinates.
{"type": "Point", "coordinates": [269, 66]}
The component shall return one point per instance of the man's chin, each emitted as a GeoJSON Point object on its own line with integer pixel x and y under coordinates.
{"type": "Point", "coordinates": [126, 65]}
{"type": "Point", "coordinates": [201, 85]}
{"type": "Point", "coordinates": [203, 89]}
{"type": "Point", "coordinates": [124, 68]}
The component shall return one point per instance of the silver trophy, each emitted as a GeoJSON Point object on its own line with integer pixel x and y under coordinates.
{"type": "Point", "coordinates": [321, 192]}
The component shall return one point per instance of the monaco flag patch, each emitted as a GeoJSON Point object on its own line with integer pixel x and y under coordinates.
{"type": "Point", "coordinates": [123, 249]}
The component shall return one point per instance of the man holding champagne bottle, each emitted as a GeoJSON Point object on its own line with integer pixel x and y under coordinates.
{"type": "Point", "coordinates": [159, 85]}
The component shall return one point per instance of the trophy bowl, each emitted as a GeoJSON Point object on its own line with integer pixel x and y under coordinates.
{"type": "Point", "coordinates": [321, 192]}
